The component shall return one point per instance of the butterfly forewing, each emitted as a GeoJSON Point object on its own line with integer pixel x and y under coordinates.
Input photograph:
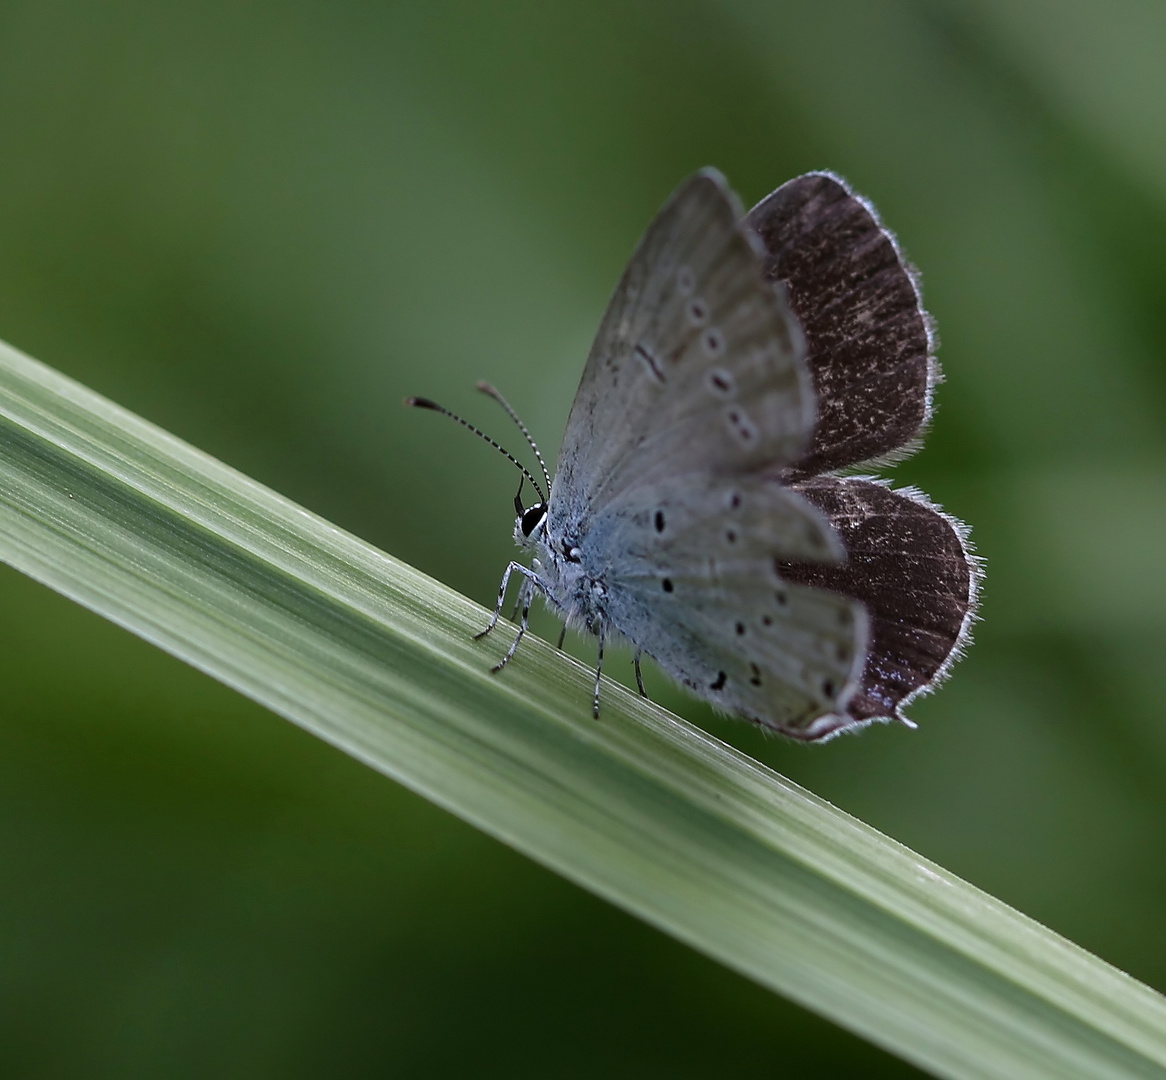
{"type": "Point", "coordinates": [697, 365]}
{"type": "Point", "coordinates": [870, 346]}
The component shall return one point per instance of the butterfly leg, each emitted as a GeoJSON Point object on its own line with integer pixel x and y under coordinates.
{"type": "Point", "coordinates": [562, 637]}
{"type": "Point", "coordinates": [530, 580]}
{"type": "Point", "coordinates": [598, 672]}
{"type": "Point", "coordinates": [525, 595]}
{"type": "Point", "coordinates": [639, 674]}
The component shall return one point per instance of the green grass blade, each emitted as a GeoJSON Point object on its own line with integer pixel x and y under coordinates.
{"type": "Point", "coordinates": [639, 807]}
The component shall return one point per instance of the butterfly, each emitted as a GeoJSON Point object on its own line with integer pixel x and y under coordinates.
{"type": "Point", "coordinates": [705, 506]}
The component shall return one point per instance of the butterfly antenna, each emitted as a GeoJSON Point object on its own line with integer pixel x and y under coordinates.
{"type": "Point", "coordinates": [490, 391]}
{"type": "Point", "coordinates": [425, 403]}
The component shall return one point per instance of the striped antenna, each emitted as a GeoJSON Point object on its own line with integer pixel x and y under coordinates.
{"type": "Point", "coordinates": [490, 391]}
{"type": "Point", "coordinates": [425, 403]}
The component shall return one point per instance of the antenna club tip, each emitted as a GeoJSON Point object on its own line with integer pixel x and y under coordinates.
{"type": "Point", "coordinates": [421, 403]}
{"type": "Point", "coordinates": [485, 387]}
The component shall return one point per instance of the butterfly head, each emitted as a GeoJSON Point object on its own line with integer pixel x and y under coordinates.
{"type": "Point", "coordinates": [531, 523]}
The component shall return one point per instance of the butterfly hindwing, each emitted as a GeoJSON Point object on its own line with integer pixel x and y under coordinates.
{"type": "Point", "coordinates": [911, 567]}
{"type": "Point", "coordinates": [870, 346]}
{"type": "Point", "coordinates": [782, 655]}
{"type": "Point", "coordinates": [697, 586]}
{"type": "Point", "coordinates": [687, 523]}
{"type": "Point", "coordinates": [697, 365]}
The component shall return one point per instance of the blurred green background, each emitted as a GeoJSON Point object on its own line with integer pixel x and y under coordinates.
{"type": "Point", "coordinates": [261, 224]}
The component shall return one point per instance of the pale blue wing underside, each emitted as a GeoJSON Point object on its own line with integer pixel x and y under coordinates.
{"type": "Point", "coordinates": [697, 366]}
{"type": "Point", "coordinates": [697, 386]}
{"type": "Point", "coordinates": [693, 582]}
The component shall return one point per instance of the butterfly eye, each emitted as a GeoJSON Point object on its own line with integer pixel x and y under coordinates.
{"type": "Point", "coordinates": [533, 518]}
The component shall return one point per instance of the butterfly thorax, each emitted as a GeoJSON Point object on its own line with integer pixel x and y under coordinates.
{"type": "Point", "coordinates": [566, 576]}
